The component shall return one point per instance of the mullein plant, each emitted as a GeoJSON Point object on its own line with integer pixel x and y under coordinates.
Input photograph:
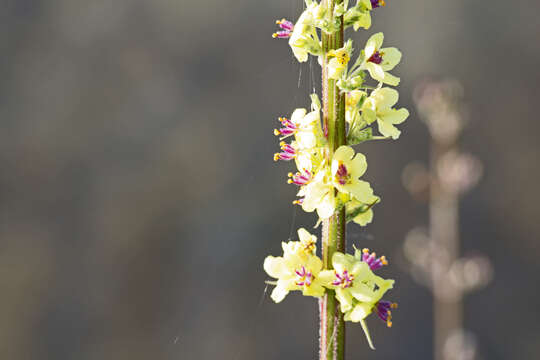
{"type": "Point", "coordinates": [356, 96]}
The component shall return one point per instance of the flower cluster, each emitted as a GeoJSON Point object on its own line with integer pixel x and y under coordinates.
{"type": "Point", "coordinates": [326, 183]}
{"type": "Point", "coordinates": [328, 179]}
{"type": "Point", "coordinates": [357, 288]}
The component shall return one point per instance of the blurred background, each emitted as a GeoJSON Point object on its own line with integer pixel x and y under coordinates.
{"type": "Point", "coordinates": [138, 196]}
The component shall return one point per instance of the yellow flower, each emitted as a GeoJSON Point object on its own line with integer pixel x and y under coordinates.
{"type": "Point", "coordinates": [378, 106]}
{"type": "Point", "coordinates": [318, 195]}
{"type": "Point", "coordinates": [347, 279]}
{"type": "Point", "coordinates": [304, 39]}
{"type": "Point", "coordinates": [377, 60]}
{"type": "Point", "coordinates": [306, 128]}
{"type": "Point", "coordinates": [355, 284]}
{"type": "Point", "coordinates": [358, 290]}
{"type": "Point", "coordinates": [297, 269]}
{"type": "Point", "coordinates": [339, 59]}
{"type": "Point", "coordinates": [346, 169]}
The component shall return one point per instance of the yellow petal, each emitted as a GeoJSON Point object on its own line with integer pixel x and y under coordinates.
{"type": "Point", "coordinates": [373, 44]}
{"type": "Point", "coordinates": [343, 153]}
{"type": "Point", "coordinates": [363, 292]}
{"type": "Point", "coordinates": [279, 293]}
{"type": "Point", "coordinates": [359, 312]}
{"type": "Point", "coordinates": [385, 97]}
{"type": "Point", "coordinates": [375, 71]}
{"type": "Point", "coordinates": [314, 264]}
{"type": "Point", "coordinates": [364, 218]}
{"type": "Point", "coordinates": [305, 237]}
{"type": "Point", "coordinates": [298, 115]}
{"type": "Point", "coordinates": [358, 166]}
{"type": "Point", "coordinates": [394, 116]}
{"type": "Point", "coordinates": [391, 57]}
{"type": "Point", "coordinates": [275, 267]}
{"type": "Point", "coordinates": [315, 289]}
{"type": "Point", "coordinates": [390, 79]}
{"type": "Point", "coordinates": [327, 206]}
{"type": "Point", "coordinates": [388, 129]}
{"type": "Point", "coordinates": [345, 299]}
{"type": "Point", "coordinates": [361, 190]}
{"type": "Point", "coordinates": [326, 277]}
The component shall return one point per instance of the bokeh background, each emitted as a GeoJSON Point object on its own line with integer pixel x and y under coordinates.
{"type": "Point", "coordinates": [138, 196]}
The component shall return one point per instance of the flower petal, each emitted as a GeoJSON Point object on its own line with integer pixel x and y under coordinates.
{"type": "Point", "coordinates": [363, 292]}
{"type": "Point", "coordinates": [369, 115]}
{"type": "Point", "coordinates": [385, 98]}
{"type": "Point", "coordinates": [375, 71]}
{"type": "Point", "coordinates": [298, 115]}
{"type": "Point", "coordinates": [344, 153]}
{"type": "Point", "coordinates": [358, 165]}
{"type": "Point", "coordinates": [305, 236]}
{"type": "Point", "coordinates": [306, 139]}
{"type": "Point", "coordinates": [311, 118]}
{"type": "Point", "coordinates": [387, 129]}
{"type": "Point", "coordinates": [373, 44]}
{"type": "Point", "coordinates": [315, 289]}
{"type": "Point", "coordinates": [342, 262]}
{"type": "Point", "coordinates": [359, 312]}
{"type": "Point", "coordinates": [314, 264]}
{"type": "Point", "coordinates": [327, 206]}
{"type": "Point", "coordinates": [279, 293]}
{"type": "Point", "coordinates": [394, 116]}
{"type": "Point", "coordinates": [390, 79]}
{"type": "Point", "coordinates": [326, 277]}
{"type": "Point", "coordinates": [391, 57]}
{"type": "Point", "coordinates": [275, 267]}
{"type": "Point", "coordinates": [345, 299]}
{"type": "Point", "coordinates": [361, 190]}
{"type": "Point", "coordinates": [303, 161]}
{"type": "Point", "coordinates": [364, 218]}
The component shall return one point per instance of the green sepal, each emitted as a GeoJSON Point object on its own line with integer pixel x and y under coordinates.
{"type": "Point", "coordinates": [366, 332]}
{"type": "Point", "coordinates": [359, 136]}
{"type": "Point", "coordinates": [360, 210]}
{"type": "Point", "coordinates": [339, 10]}
{"type": "Point", "coordinates": [315, 102]}
{"type": "Point", "coordinates": [351, 83]}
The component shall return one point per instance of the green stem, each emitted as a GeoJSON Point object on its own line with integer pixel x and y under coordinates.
{"type": "Point", "coordinates": [332, 325]}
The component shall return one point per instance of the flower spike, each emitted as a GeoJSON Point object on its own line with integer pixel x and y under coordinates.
{"type": "Point", "coordinates": [329, 171]}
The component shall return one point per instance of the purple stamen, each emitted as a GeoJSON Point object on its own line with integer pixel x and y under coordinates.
{"type": "Point", "coordinates": [300, 178]}
{"type": "Point", "coordinates": [288, 128]}
{"type": "Point", "coordinates": [383, 311]}
{"type": "Point", "coordinates": [305, 277]}
{"type": "Point", "coordinates": [287, 28]}
{"type": "Point", "coordinates": [373, 262]}
{"type": "Point", "coordinates": [342, 174]}
{"type": "Point", "coordinates": [344, 280]}
{"type": "Point", "coordinates": [377, 3]}
{"type": "Point", "coordinates": [282, 34]}
{"type": "Point", "coordinates": [376, 58]}
{"type": "Point", "coordinates": [285, 24]}
{"type": "Point", "coordinates": [288, 152]}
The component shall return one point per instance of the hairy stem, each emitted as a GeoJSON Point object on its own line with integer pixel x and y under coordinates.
{"type": "Point", "coordinates": [332, 326]}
